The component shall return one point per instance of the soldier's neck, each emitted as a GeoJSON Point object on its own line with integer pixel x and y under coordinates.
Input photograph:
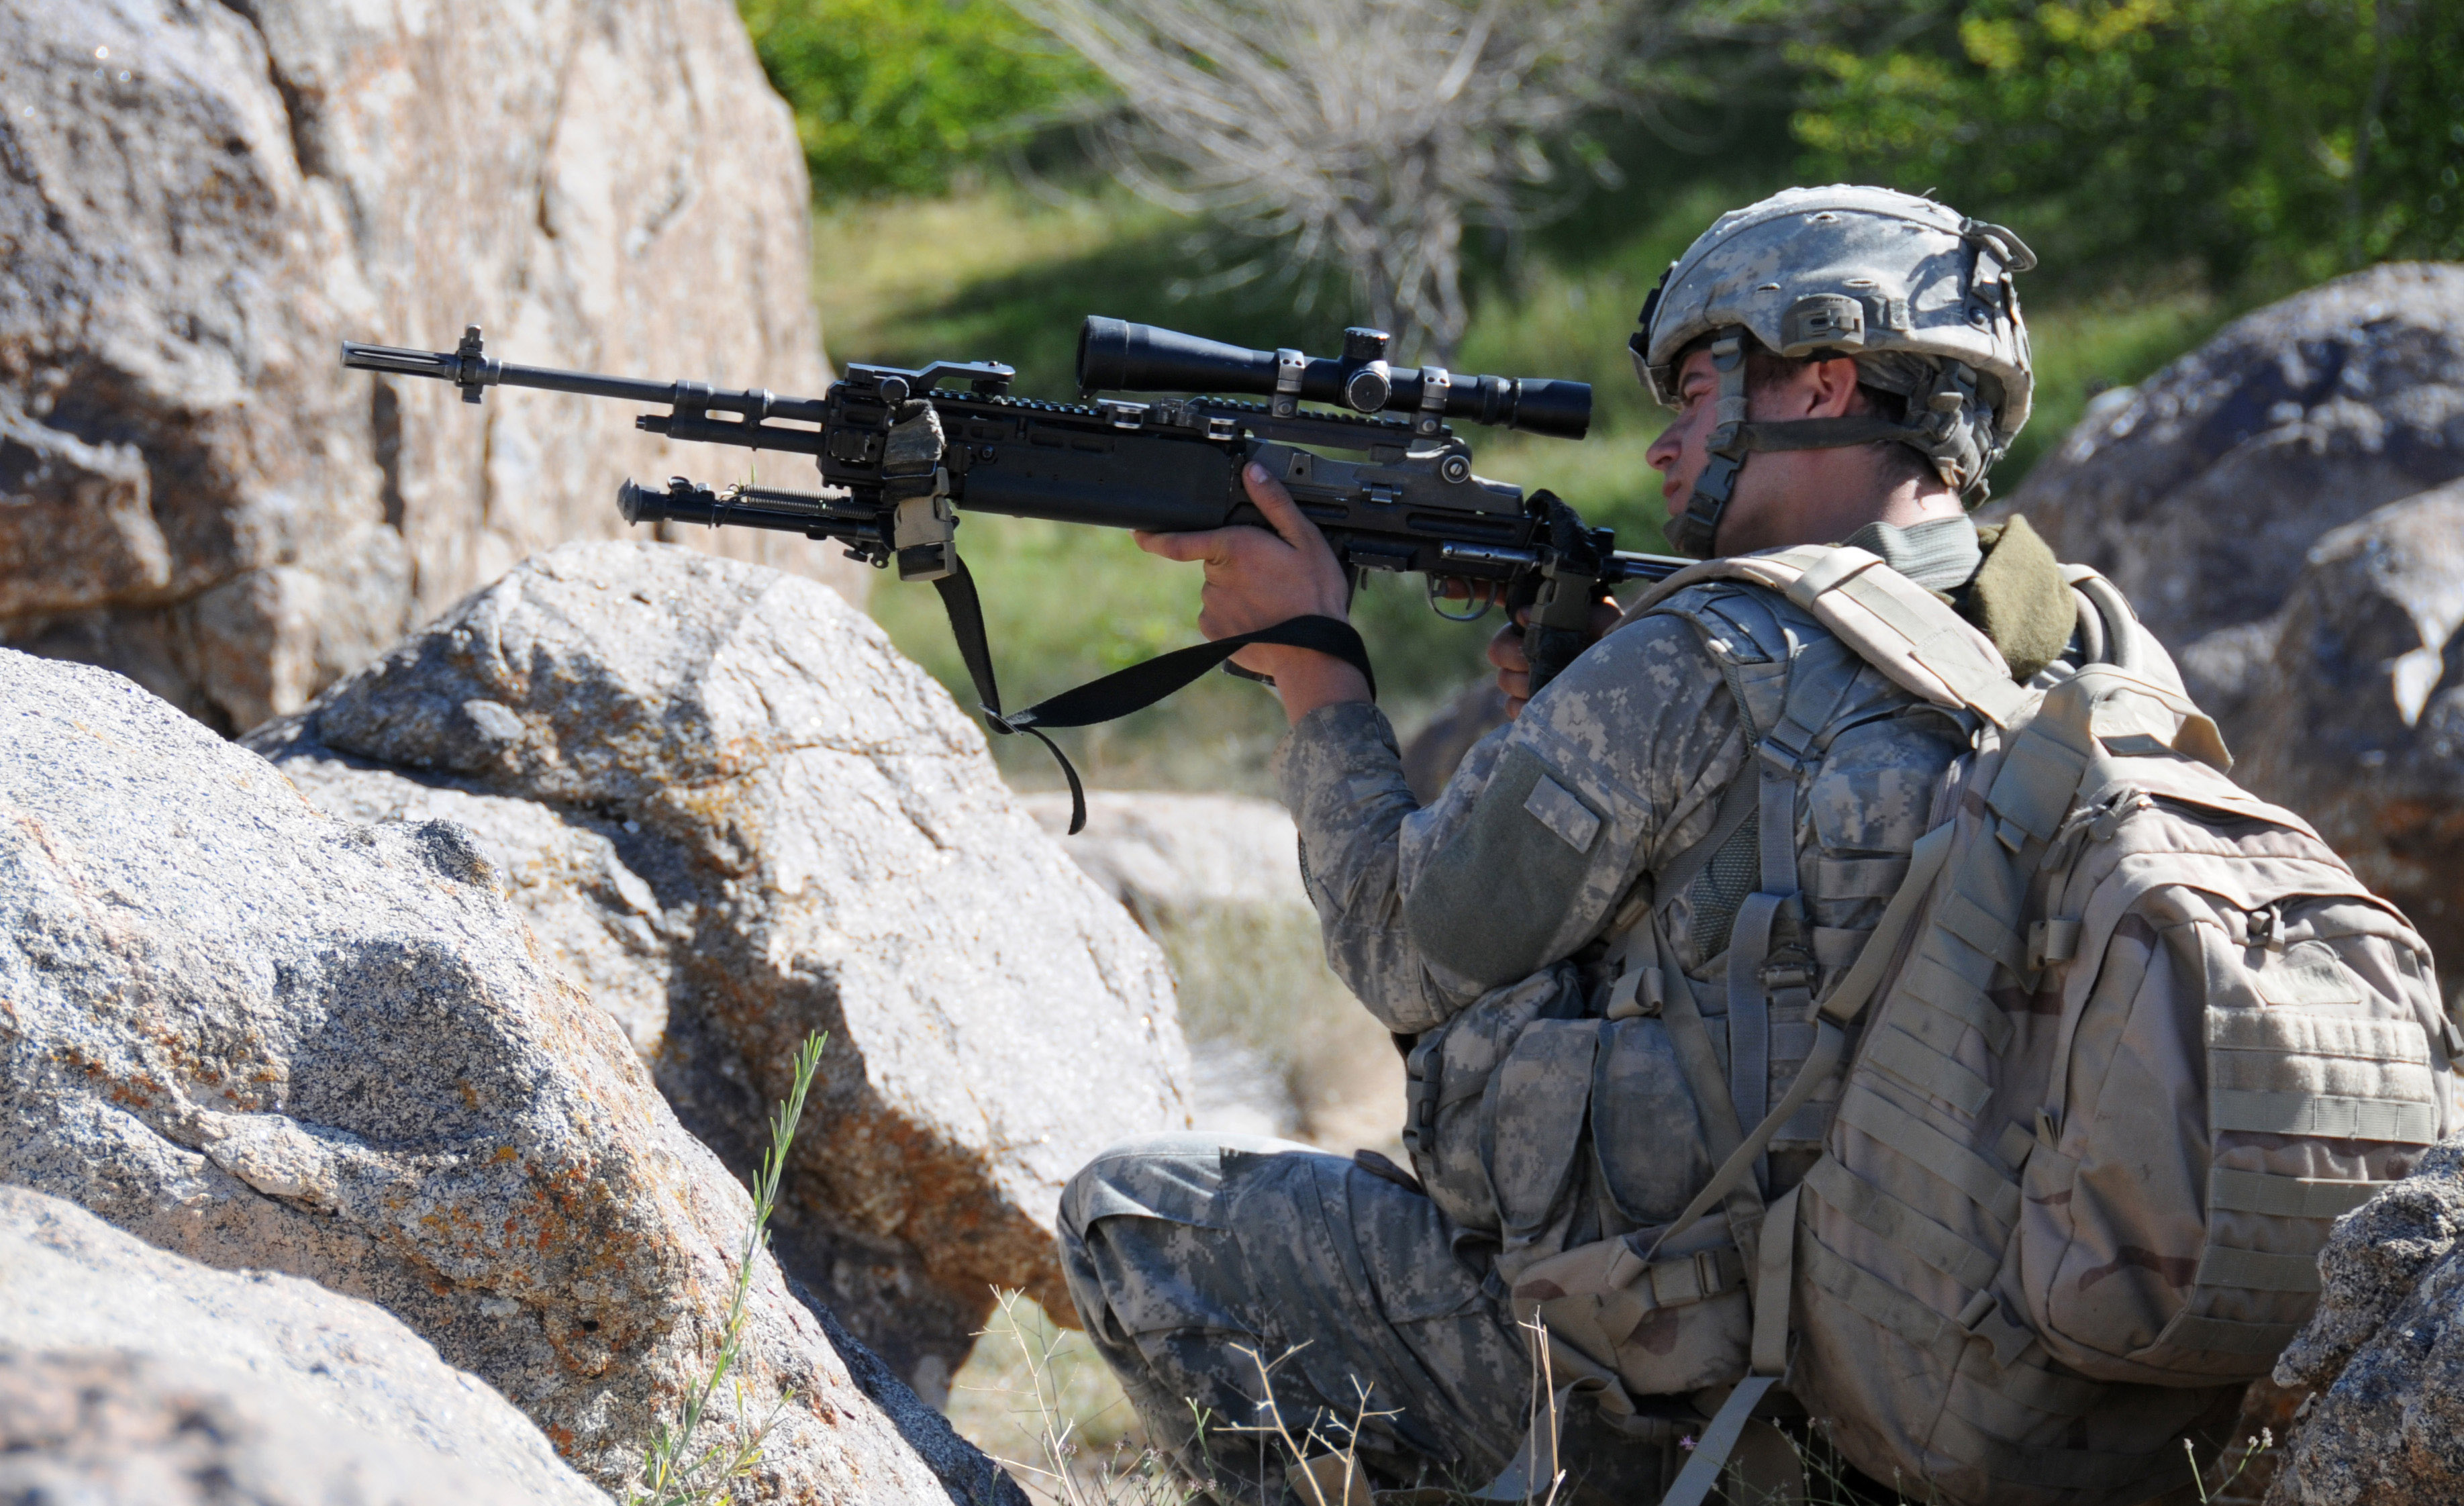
{"type": "Point", "coordinates": [1821, 496]}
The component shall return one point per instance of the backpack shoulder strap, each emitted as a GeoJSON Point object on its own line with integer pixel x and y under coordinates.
{"type": "Point", "coordinates": [1897, 627]}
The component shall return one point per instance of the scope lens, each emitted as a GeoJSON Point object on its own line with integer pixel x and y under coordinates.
{"type": "Point", "coordinates": [1559, 410]}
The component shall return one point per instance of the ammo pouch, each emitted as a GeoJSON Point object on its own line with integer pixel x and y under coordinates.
{"type": "Point", "coordinates": [1671, 1326]}
{"type": "Point", "coordinates": [1510, 1104]}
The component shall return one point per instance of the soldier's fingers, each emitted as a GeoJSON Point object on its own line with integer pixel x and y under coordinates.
{"type": "Point", "coordinates": [1506, 650]}
{"type": "Point", "coordinates": [1210, 546]}
{"type": "Point", "coordinates": [1517, 688]}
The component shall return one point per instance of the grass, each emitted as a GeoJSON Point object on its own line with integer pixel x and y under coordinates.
{"type": "Point", "coordinates": [1038, 1398]}
{"type": "Point", "coordinates": [1042, 1403]}
{"type": "Point", "coordinates": [673, 1473]}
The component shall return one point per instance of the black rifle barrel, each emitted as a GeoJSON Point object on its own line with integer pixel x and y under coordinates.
{"type": "Point", "coordinates": [486, 371]}
{"type": "Point", "coordinates": [1118, 355]}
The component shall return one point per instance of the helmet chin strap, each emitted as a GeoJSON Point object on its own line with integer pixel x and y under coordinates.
{"type": "Point", "coordinates": [1695, 531]}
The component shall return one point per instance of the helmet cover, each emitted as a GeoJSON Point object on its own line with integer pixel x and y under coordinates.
{"type": "Point", "coordinates": [1918, 294]}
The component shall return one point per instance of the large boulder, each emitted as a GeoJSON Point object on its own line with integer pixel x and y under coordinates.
{"type": "Point", "coordinates": [263, 1037]}
{"type": "Point", "coordinates": [202, 200]}
{"type": "Point", "coordinates": [2356, 720]}
{"type": "Point", "coordinates": [131, 1377]}
{"type": "Point", "coordinates": [2384, 1356]}
{"type": "Point", "coordinates": [735, 812]}
{"type": "Point", "coordinates": [2277, 505]}
{"type": "Point", "coordinates": [2200, 491]}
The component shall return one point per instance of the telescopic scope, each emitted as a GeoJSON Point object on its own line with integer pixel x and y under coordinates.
{"type": "Point", "coordinates": [1118, 355]}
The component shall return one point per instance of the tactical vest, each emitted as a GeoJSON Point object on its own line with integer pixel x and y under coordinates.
{"type": "Point", "coordinates": [1999, 1123]}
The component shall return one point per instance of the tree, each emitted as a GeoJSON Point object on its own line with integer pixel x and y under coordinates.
{"type": "Point", "coordinates": [894, 95]}
{"type": "Point", "coordinates": [1367, 133]}
{"type": "Point", "coordinates": [2282, 141]}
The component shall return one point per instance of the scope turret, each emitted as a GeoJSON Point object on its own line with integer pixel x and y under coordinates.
{"type": "Point", "coordinates": [1118, 355]}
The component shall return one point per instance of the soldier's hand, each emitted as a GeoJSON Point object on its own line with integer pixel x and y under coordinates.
{"type": "Point", "coordinates": [1514, 665]}
{"type": "Point", "coordinates": [1256, 579]}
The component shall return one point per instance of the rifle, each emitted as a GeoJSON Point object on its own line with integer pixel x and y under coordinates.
{"type": "Point", "coordinates": [899, 453]}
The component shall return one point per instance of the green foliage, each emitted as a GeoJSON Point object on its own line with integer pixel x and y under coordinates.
{"type": "Point", "coordinates": [2276, 141]}
{"type": "Point", "coordinates": [896, 95]}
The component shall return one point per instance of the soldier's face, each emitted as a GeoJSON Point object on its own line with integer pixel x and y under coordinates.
{"type": "Point", "coordinates": [1777, 498]}
{"type": "Point", "coordinates": [1682, 449]}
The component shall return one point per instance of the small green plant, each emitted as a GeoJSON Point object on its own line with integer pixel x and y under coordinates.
{"type": "Point", "coordinates": [673, 1473]}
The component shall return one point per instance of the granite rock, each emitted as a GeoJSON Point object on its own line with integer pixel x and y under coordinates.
{"type": "Point", "coordinates": [735, 814]}
{"type": "Point", "coordinates": [2356, 717]}
{"type": "Point", "coordinates": [2383, 1354]}
{"type": "Point", "coordinates": [2200, 491]}
{"type": "Point", "coordinates": [130, 1375]}
{"type": "Point", "coordinates": [263, 1037]}
{"type": "Point", "coordinates": [203, 199]}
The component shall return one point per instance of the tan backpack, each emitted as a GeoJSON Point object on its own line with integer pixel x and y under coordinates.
{"type": "Point", "coordinates": [2124, 1043]}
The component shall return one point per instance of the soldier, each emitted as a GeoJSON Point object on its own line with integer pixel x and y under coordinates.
{"type": "Point", "coordinates": [1846, 365]}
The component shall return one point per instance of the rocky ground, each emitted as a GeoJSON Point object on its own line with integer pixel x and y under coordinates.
{"type": "Point", "coordinates": [727, 805]}
{"type": "Point", "coordinates": [265, 1038]}
{"type": "Point", "coordinates": [131, 1374]}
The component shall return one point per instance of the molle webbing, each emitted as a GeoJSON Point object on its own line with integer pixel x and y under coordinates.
{"type": "Point", "coordinates": [1937, 1346]}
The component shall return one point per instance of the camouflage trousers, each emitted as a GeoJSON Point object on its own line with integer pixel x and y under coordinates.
{"type": "Point", "coordinates": [1194, 1258]}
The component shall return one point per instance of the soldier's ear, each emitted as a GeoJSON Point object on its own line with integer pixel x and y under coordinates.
{"type": "Point", "coordinates": [1831, 388]}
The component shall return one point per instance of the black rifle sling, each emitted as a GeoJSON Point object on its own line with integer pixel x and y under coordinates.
{"type": "Point", "coordinates": [966, 613]}
{"type": "Point", "coordinates": [1117, 694]}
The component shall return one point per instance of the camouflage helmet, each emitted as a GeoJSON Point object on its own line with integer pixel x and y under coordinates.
{"type": "Point", "coordinates": [1918, 295]}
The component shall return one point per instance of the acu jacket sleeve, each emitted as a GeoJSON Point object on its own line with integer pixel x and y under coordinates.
{"type": "Point", "coordinates": [1535, 842]}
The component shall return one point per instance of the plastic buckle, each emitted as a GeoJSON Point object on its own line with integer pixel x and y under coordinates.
{"type": "Point", "coordinates": [1788, 968]}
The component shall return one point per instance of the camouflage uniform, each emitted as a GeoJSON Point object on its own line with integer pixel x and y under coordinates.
{"type": "Point", "coordinates": [1195, 1258]}
{"type": "Point", "coordinates": [1460, 925]}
